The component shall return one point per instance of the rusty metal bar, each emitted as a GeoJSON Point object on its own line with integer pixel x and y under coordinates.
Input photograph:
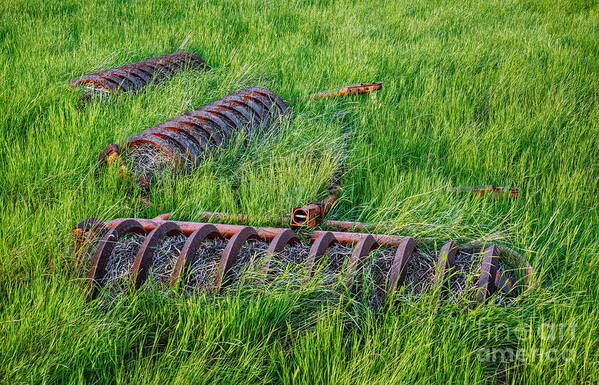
{"type": "Point", "coordinates": [354, 89]}
{"type": "Point", "coordinates": [488, 190]}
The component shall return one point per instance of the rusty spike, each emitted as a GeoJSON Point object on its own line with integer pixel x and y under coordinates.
{"type": "Point", "coordinates": [445, 262]}
{"type": "Point", "coordinates": [231, 252]}
{"type": "Point", "coordinates": [188, 254]}
{"type": "Point", "coordinates": [105, 247]}
{"type": "Point", "coordinates": [144, 257]}
{"type": "Point", "coordinates": [277, 245]}
{"type": "Point", "coordinates": [488, 272]}
{"type": "Point", "coordinates": [318, 249]}
{"type": "Point", "coordinates": [398, 271]}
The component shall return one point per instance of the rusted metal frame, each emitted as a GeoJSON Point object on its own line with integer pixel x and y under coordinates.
{"type": "Point", "coordinates": [279, 237]}
{"type": "Point", "coordinates": [226, 231]}
{"type": "Point", "coordinates": [176, 147]}
{"type": "Point", "coordinates": [135, 79]}
{"type": "Point", "coordinates": [172, 138]}
{"type": "Point", "coordinates": [188, 255]}
{"type": "Point", "coordinates": [235, 104]}
{"type": "Point", "coordinates": [277, 245]}
{"type": "Point", "coordinates": [354, 89]}
{"type": "Point", "coordinates": [177, 132]}
{"type": "Point", "coordinates": [145, 255]}
{"type": "Point", "coordinates": [226, 116]}
{"type": "Point", "coordinates": [97, 270]}
{"type": "Point", "coordinates": [158, 71]}
{"type": "Point", "coordinates": [399, 268]}
{"type": "Point", "coordinates": [519, 260]}
{"type": "Point", "coordinates": [445, 265]}
{"type": "Point", "coordinates": [503, 283]}
{"type": "Point", "coordinates": [83, 231]}
{"type": "Point", "coordinates": [350, 238]}
{"type": "Point", "coordinates": [231, 253]}
{"type": "Point", "coordinates": [487, 190]}
{"type": "Point", "coordinates": [143, 71]}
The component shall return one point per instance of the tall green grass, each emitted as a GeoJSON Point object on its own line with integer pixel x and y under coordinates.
{"type": "Point", "coordinates": [491, 92]}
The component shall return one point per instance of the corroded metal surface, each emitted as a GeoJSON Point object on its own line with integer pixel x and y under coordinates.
{"type": "Point", "coordinates": [490, 278]}
{"type": "Point", "coordinates": [488, 191]}
{"type": "Point", "coordinates": [354, 89]}
{"type": "Point", "coordinates": [134, 76]}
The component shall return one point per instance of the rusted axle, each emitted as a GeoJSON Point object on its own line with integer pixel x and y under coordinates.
{"type": "Point", "coordinates": [155, 230]}
{"type": "Point", "coordinates": [355, 89]}
{"type": "Point", "coordinates": [134, 76]}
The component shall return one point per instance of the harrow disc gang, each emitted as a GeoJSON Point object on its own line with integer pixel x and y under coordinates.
{"type": "Point", "coordinates": [184, 141]}
{"type": "Point", "coordinates": [225, 248]}
{"type": "Point", "coordinates": [134, 76]}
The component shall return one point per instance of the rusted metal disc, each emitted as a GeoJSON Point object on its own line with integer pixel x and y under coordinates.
{"type": "Point", "coordinates": [362, 249]}
{"type": "Point", "coordinates": [445, 263]}
{"type": "Point", "coordinates": [100, 259]}
{"type": "Point", "coordinates": [188, 140]}
{"type": "Point", "coordinates": [231, 252]}
{"type": "Point", "coordinates": [398, 271]}
{"type": "Point", "coordinates": [277, 245]}
{"type": "Point", "coordinates": [144, 257]}
{"type": "Point", "coordinates": [188, 255]}
{"type": "Point", "coordinates": [488, 271]}
{"type": "Point", "coordinates": [213, 121]}
{"type": "Point", "coordinates": [169, 149]}
{"type": "Point", "coordinates": [195, 126]}
{"type": "Point", "coordinates": [318, 249]}
{"type": "Point", "coordinates": [266, 94]}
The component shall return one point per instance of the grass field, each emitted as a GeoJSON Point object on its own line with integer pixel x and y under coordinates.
{"type": "Point", "coordinates": [474, 92]}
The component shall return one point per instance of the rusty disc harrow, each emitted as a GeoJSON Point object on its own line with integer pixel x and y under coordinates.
{"type": "Point", "coordinates": [491, 275]}
{"type": "Point", "coordinates": [185, 140]}
{"type": "Point", "coordinates": [134, 76]}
